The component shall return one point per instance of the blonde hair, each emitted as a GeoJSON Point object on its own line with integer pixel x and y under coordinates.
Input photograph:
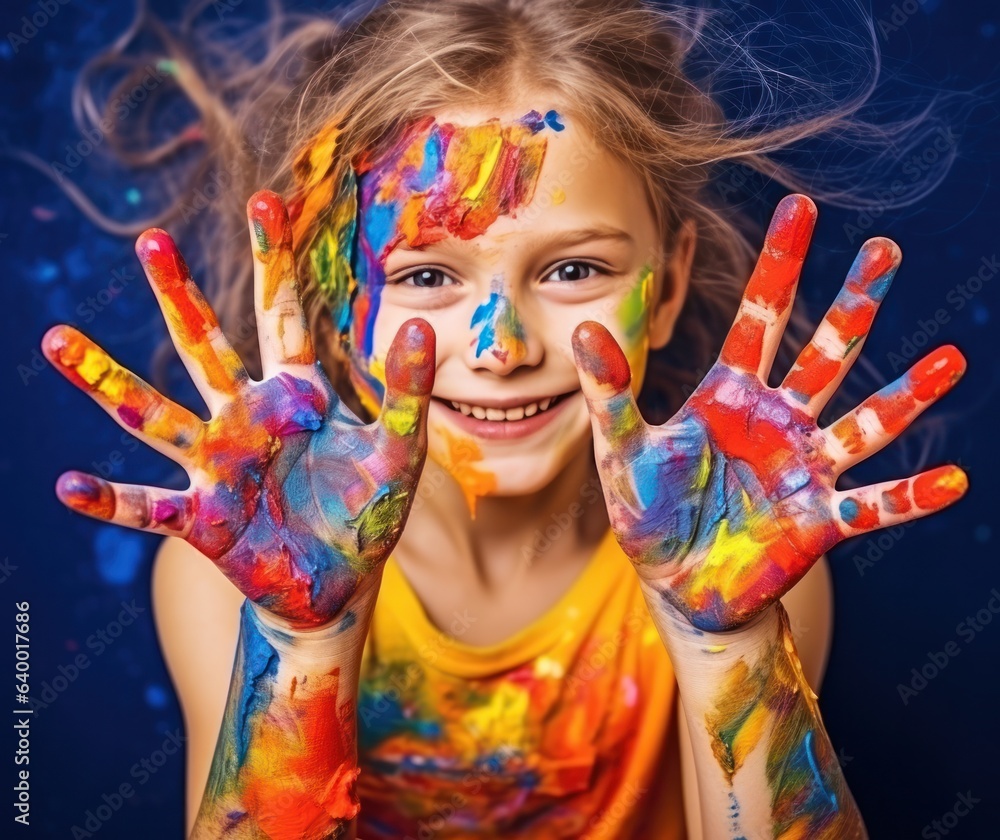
{"type": "Point", "coordinates": [641, 77]}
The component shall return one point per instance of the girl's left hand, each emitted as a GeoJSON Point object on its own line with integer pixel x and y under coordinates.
{"type": "Point", "coordinates": [728, 504]}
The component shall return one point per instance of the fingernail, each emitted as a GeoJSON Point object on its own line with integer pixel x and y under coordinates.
{"type": "Point", "coordinates": [791, 225]}
{"type": "Point", "coordinates": [268, 215]}
{"type": "Point", "coordinates": [599, 356]}
{"type": "Point", "coordinates": [940, 487]}
{"type": "Point", "coordinates": [935, 374]}
{"type": "Point", "coordinates": [874, 268]}
{"type": "Point", "coordinates": [411, 369]}
{"type": "Point", "coordinates": [86, 494]}
{"type": "Point", "coordinates": [159, 255]}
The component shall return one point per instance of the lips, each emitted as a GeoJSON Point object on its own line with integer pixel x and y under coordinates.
{"type": "Point", "coordinates": [496, 422]}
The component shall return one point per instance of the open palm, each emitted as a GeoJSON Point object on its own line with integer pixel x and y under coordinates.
{"type": "Point", "coordinates": [728, 504]}
{"type": "Point", "coordinates": [291, 495]}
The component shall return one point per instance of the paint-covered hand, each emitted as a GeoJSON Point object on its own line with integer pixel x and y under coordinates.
{"type": "Point", "coordinates": [727, 505]}
{"type": "Point", "coordinates": [291, 495]}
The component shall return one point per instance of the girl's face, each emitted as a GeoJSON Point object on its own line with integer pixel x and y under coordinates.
{"type": "Point", "coordinates": [504, 232]}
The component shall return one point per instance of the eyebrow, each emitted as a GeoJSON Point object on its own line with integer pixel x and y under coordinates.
{"type": "Point", "coordinates": [561, 238]}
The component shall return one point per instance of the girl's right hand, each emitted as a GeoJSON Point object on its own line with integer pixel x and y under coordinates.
{"type": "Point", "coordinates": [292, 496]}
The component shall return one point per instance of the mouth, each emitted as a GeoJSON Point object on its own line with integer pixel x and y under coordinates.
{"type": "Point", "coordinates": [505, 419]}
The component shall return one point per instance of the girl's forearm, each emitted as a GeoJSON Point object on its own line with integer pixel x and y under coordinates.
{"type": "Point", "coordinates": [765, 764]}
{"type": "Point", "coordinates": [286, 760]}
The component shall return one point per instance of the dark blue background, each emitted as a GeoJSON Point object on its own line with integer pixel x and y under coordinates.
{"type": "Point", "coordinates": [906, 763]}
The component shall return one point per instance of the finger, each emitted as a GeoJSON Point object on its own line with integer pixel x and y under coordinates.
{"type": "Point", "coordinates": [884, 415]}
{"type": "Point", "coordinates": [136, 406]}
{"type": "Point", "coordinates": [894, 502]}
{"type": "Point", "coordinates": [826, 359]}
{"type": "Point", "coordinates": [154, 509]}
{"type": "Point", "coordinates": [281, 322]}
{"type": "Point", "coordinates": [409, 378]}
{"type": "Point", "coordinates": [606, 381]}
{"type": "Point", "coordinates": [767, 302]}
{"type": "Point", "coordinates": [214, 366]}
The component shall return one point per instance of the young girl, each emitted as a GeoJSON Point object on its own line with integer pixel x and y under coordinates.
{"type": "Point", "coordinates": [499, 224]}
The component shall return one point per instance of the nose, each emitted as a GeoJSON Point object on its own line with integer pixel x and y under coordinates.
{"type": "Point", "coordinates": [500, 340]}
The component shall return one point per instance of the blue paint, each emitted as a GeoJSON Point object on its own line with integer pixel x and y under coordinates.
{"type": "Point", "coordinates": [880, 287]}
{"type": "Point", "coordinates": [552, 120]}
{"type": "Point", "coordinates": [486, 315]}
{"type": "Point", "coordinates": [347, 622]}
{"type": "Point", "coordinates": [793, 481]}
{"type": "Point", "coordinates": [848, 510]}
{"type": "Point", "coordinates": [817, 776]}
{"type": "Point", "coordinates": [381, 716]}
{"type": "Point", "coordinates": [256, 679]}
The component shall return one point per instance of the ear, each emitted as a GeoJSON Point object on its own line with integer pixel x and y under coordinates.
{"type": "Point", "coordinates": [676, 276]}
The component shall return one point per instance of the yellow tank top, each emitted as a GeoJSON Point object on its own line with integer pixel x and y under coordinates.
{"type": "Point", "coordinates": [566, 729]}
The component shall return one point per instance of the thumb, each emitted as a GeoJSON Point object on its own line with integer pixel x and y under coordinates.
{"type": "Point", "coordinates": [606, 381]}
{"type": "Point", "coordinates": [409, 378]}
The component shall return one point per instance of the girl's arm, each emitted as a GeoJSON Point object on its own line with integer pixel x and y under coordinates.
{"type": "Point", "coordinates": [763, 761]}
{"type": "Point", "coordinates": [295, 500]}
{"type": "Point", "coordinates": [286, 758]}
{"type": "Point", "coordinates": [810, 614]}
{"type": "Point", "coordinates": [725, 507]}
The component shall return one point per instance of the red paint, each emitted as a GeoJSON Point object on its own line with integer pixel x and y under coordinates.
{"type": "Point", "coordinates": [188, 312]}
{"type": "Point", "coordinates": [813, 371]}
{"type": "Point", "coordinates": [939, 487]}
{"type": "Point", "coordinates": [853, 319]}
{"type": "Point", "coordinates": [600, 356]}
{"type": "Point", "coordinates": [745, 344]}
{"type": "Point", "coordinates": [87, 494]}
{"type": "Point", "coordinates": [936, 373]}
{"type": "Point", "coordinates": [409, 368]}
{"type": "Point", "coordinates": [897, 499]}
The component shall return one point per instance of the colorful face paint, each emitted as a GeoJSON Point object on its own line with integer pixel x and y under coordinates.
{"type": "Point", "coordinates": [462, 454]}
{"type": "Point", "coordinates": [291, 497]}
{"type": "Point", "coordinates": [436, 180]}
{"type": "Point", "coordinates": [633, 317]}
{"type": "Point", "coordinates": [500, 331]}
{"type": "Point", "coordinates": [725, 507]}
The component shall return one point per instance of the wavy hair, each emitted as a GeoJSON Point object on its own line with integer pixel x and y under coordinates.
{"type": "Point", "coordinates": [694, 100]}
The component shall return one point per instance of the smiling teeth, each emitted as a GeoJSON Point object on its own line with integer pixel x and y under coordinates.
{"type": "Point", "coordinates": [496, 414]}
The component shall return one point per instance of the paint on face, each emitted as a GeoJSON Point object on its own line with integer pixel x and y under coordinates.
{"type": "Point", "coordinates": [436, 180]}
{"type": "Point", "coordinates": [499, 328]}
{"type": "Point", "coordinates": [462, 452]}
{"type": "Point", "coordinates": [633, 318]}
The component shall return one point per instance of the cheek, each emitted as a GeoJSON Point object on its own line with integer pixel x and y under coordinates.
{"type": "Point", "coordinates": [450, 325]}
{"type": "Point", "coordinates": [624, 313]}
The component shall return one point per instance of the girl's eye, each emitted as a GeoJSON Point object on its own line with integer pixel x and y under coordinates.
{"type": "Point", "coordinates": [572, 271]}
{"type": "Point", "coordinates": [427, 278]}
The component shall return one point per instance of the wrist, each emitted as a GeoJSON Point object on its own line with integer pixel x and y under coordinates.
{"type": "Point", "coordinates": [342, 636]}
{"type": "Point", "coordinates": [686, 642]}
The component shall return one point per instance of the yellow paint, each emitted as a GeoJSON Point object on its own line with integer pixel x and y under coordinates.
{"type": "Point", "coordinates": [723, 568]}
{"type": "Point", "coordinates": [485, 169]}
{"type": "Point", "coordinates": [499, 724]}
{"type": "Point", "coordinates": [558, 196]}
{"type": "Point", "coordinates": [459, 462]}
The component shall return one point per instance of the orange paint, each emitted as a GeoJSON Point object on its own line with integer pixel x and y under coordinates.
{"type": "Point", "coordinates": [940, 487]}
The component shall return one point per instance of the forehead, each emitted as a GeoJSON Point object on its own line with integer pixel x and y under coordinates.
{"type": "Point", "coordinates": [470, 174]}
